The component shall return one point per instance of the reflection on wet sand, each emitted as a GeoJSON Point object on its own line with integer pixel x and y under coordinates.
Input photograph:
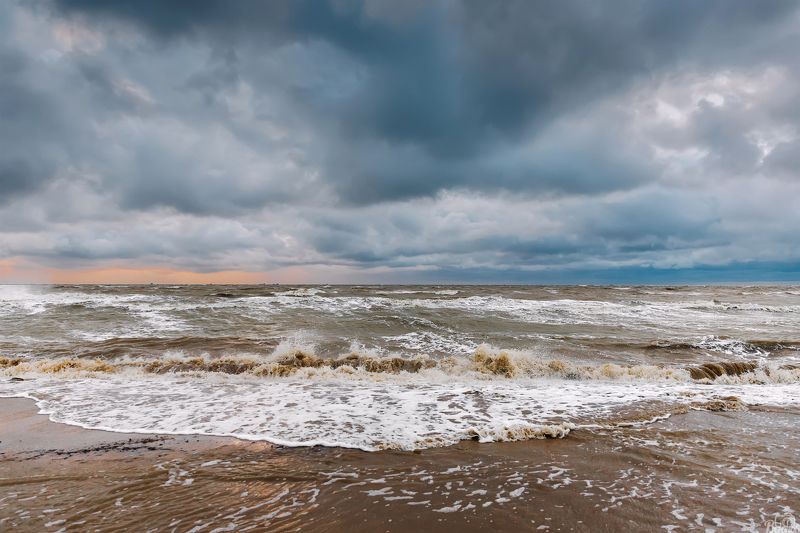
{"type": "Point", "coordinates": [699, 470]}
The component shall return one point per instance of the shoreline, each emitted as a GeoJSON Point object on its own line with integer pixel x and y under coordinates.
{"type": "Point", "coordinates": [635, 479]}
{"type": "Point", "coordinates": [24, 431]}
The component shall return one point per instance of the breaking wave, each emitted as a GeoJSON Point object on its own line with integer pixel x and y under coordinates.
{"type": "Point", "coordinates": [372, 415]}
{"type": "Point", "coordinates": [360, 400]}
{"type": "Point", "coordinates": [485, 363]}
{"type": "Point", "coordinates": [272, 362]}
{"type": "Point", "coordinates": [732, 347]}
{"type": "Point", "coordinates": [520, 431]}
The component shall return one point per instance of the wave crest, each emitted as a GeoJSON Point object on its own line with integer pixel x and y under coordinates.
{"type": "Point", "coordinates": [520, 431]}
{"type": "Point", "coordinates": [485, 363]}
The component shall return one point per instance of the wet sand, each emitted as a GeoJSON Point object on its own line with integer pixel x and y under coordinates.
{"type": "Point", "coordinates": [699, 471]}
{"type": "Point", "coordinates": [24, 432]}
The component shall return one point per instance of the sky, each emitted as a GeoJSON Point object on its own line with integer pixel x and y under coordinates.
{"type": "Point", "coordinates": [397, 142]}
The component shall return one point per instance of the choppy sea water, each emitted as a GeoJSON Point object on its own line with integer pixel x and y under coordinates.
{"type": "Point", "coordinates": [670, 408]}
{"type": "Point", "coordinates": [395, 367]}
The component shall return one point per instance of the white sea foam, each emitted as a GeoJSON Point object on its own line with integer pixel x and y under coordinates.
{"type": "Point", "coordinates": [369, 415]}
{"type": "Point", "coordinates": [646, 315]}
{"type": "Point", "coordinates": [457, 390]}
{"type": "Point", "coordinates": [302, 291]}
{"type": "Point", "coordinates": [166, 312]}
{"type": "Point", "coordinates": [733, 347]}
{"type": "Point", "coordinates": [430, 342]}
{"type": "Point", "coordinates": [36, 299]}
{"type": "Point", "coordinates": [148, 313]}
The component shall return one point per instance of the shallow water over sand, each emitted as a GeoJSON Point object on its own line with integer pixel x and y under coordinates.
{"type": "Point", "coordinates": [717, 471]}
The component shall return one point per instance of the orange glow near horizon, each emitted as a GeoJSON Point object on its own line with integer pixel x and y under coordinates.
{"type": "Point", "coordinates": [153, 275]}
{"type": "Point", "coordinates": [6, 268]}
{"type": "Point", "coordinates": [18, 271]}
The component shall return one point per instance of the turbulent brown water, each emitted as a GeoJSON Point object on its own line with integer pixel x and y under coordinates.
{"type": "Point", "coordinates": [657, 396]}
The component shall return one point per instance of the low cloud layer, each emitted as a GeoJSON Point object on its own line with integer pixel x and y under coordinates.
{"type": "Point", "coordinates": [413, 141]}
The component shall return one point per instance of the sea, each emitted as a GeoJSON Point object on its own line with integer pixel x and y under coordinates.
{"type": "Point", "coordinates": [498, 403]}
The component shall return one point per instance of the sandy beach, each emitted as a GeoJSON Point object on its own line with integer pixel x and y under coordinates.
{"type": "Point", "coordinates": [61, 477]}
{"type": "Point", "coordinates": [25, 433]}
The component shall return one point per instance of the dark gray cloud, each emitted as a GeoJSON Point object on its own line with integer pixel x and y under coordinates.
{"type": "Point", "coordinates": [784, 160]}
{"type": "Point", "coordinates": [448, 84]}
{"type": "Point", "coordinates": [376, 134]}
{"type": "Point", "coordinates": [29, 133]}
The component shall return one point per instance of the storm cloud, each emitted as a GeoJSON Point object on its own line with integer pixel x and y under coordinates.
{"type": "Point", "coordinates": [448, 141]}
